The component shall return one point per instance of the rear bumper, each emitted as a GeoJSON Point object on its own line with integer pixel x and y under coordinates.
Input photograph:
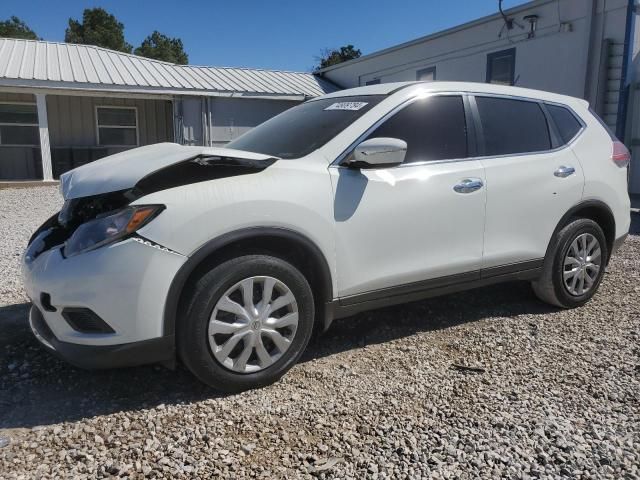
{"type": "Point", "coordinates": [92, 357]}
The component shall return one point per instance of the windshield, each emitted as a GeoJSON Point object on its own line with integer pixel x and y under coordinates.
{"type": "Point", "coordinates": [306, 127]}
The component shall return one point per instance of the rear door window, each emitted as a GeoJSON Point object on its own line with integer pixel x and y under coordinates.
{"type": "Point", "coordinates": [434, 129]}
{"type": "Point", "coordinates": [512, 126]}
{"type": "Point", "coordinates": [567, 124]}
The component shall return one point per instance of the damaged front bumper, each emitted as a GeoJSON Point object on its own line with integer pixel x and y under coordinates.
{"type": "Point", "coordinates": [123, 287]}
{"type": "Point", "coordinates": [155, 350]}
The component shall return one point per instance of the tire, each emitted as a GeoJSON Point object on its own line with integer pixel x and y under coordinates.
{"type": "Point", "coordinates": [551, 286]}
{"type": "Point", "coordinates": [205, 354]}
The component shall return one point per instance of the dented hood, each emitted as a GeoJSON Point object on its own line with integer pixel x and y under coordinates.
{"type": "Point", "coordinates": [124, 170]}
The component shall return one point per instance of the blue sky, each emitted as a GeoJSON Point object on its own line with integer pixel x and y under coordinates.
{"type": "Point", "coordinates": [278, 34]}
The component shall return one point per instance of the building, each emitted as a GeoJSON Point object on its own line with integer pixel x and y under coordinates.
{"type": "Point", "coordinates": [582, 48]}
{"type": "Point", "coordinates": [63, 105]}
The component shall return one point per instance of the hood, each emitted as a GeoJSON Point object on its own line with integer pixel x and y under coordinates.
{"type": "Point", "coordinates": [124, 170]}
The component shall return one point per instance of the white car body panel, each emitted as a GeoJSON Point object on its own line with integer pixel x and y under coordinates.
{"type": "Point", "coordinates": [439, 233]}
{"type": "Point", "coordinates": [290, 194]}
{"type": "Point", "coordinates": [131, 272]}
{"type": "Point", "coordinates": [125, 169]}
{"type": "Point", "coordinates": [525, 202]}
{"type": "Point", "coordinates": [604, 181]}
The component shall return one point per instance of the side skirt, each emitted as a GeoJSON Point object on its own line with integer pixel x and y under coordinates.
{"type": "Point", "coordinates": [347, 306]}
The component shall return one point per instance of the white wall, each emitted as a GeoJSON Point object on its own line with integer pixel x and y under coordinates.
{"type": "Point", "coordinates": [554, 60]}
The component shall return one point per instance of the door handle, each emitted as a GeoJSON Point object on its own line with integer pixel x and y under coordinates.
{"type": "Point", "coordinates": [563, 171]}
{"type": "Point", "coordinates": [468, 185]}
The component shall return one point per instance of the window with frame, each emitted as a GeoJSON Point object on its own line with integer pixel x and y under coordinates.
{"type": "Point", "coordinates": [19, 124]}
{"type": "Point", "coordinates": [501, 67]}
{"type": "Point", "coordinates": [373, 82]}
{"type": "Point", "coordinates": [117, 126]}
{"type": "Point", "coordinates": [434, 129]}
{"type": "Point", "coordinates": [426, 74]}
{"type": "Point", "coordinates": [512, 126]}
{"type": "Point", "coordinates": [567, 124]}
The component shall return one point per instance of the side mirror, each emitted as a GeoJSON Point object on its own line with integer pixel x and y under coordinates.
{"type": "Point", "coordinates": [379, 152]}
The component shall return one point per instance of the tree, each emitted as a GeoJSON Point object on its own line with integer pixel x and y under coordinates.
{"type": "Point", "coordinates": [161, 47]}
{"type": "Point", "coordinates": [332, 57]}
{"type": "Point", "coordinates": [98, 28]}
{"type": "Point", "coordinates": [16, 28]}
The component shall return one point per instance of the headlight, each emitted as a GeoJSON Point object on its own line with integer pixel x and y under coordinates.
{"type": "Point", "coordinates": [109, 228]}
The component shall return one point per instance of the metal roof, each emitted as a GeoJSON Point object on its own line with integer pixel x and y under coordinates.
{"type": "Point", "coordinates": [86, 67]}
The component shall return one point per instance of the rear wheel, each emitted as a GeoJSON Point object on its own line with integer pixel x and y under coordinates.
{"type": "Point", "coordinates": [248, 322]}
{"type": "Point", "coordinates": [574, 266]}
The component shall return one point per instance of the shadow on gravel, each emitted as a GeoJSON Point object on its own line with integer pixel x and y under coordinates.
{"type": "Point", "coordinates": [635, 223]}
{"type": "Point", "coordinates": [38, 389]}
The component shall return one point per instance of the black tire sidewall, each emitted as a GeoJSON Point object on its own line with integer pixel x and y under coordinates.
{"type": "Point", "coordinates": [566, 237]}
{"type": "Point", "coordinates": [193, 344]}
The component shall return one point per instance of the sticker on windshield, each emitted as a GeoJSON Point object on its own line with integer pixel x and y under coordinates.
{"type": "Point", "coordinates": [346, 106]}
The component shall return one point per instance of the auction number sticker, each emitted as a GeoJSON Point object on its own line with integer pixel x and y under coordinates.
{"type": "Point", "coordinates": [346, 106]}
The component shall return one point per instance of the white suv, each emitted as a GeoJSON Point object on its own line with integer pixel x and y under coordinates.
{"type": "Point", "coordinates": [229, 257]}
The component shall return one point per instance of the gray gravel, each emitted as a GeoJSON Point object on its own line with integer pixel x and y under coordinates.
{"type": "Point", "coordinates": [387, 394]}
{"type": "Point", "coordinates": [21, 212]}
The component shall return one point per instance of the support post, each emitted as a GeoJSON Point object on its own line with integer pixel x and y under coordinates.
{"type": "Point", "coordinates": [45, 146]}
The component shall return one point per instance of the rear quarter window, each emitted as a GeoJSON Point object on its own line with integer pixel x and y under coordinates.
{"type": "Point", "coordinates": [567, 124]}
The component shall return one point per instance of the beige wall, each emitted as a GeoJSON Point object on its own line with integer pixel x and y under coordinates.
{"type": "Point", "coordinates": [17, 97]}
{"type": "Point", "coordinates": [72, 121]}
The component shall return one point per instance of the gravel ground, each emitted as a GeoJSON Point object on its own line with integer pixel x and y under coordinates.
{"type": "Point", "coordinates": [381, 395]}
{"type": "Point", "coordinates": [22, 210]}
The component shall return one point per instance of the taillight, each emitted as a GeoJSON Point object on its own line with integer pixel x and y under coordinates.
{"type": "Point", "coordinates": [620, 156]}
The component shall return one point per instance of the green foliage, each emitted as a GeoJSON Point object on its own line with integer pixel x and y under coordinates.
{"type": "Point", "coordinates": [332, 57]}
{"type": "Point", "coordinates": [16, 28]}
{"type": "Point", "coordinates": [98, 28]}
{"type": "Point", "coordinates": [160, 47]}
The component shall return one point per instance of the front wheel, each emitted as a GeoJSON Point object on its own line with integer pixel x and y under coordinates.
{"type": "Point", "coordinates": [574, 266]}
{"type": "Point", "coordinates": [248, 322]}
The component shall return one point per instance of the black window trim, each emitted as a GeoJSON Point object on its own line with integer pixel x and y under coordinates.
{"type": "Point", "coordinates": [554, 132]}
{"type": "Point", "coordinates": [553, 129]}
{"type": "Point", "coordinates": [501, 53]}
{"type": "Point", "coordinates": [471, 132]}
{"type": "Point", "coordinates": [475, 135]}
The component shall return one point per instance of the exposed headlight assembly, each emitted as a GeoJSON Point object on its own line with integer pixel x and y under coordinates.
{"type": "Point", "coordinates": [109, 227]}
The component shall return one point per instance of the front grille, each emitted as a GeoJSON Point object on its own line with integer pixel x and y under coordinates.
{"type": "Point", "coordinates": [84, 320]}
